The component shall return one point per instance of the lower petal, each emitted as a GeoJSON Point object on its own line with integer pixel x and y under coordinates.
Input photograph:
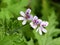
{"type": "Point", "coordinates": [40, 32]}
{"type": "Point", "coordinates": [44, 30]}
{"type": "Point", "coordinates": [33, 26]}
{"type": "Point", "coordinates": [37, 30]}
{"type": "Point", "coordinates": [24, 22]}
{"type": "Point", "coordinates": [20, 18]}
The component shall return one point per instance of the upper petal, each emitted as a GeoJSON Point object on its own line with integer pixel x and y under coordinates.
{"type": "Point", "coordinates": [31, 18]}
{"type": "Point", "coordinates": [28, 11]}
{"type": "Point", "coordinates": [33, 26]}
{"type": "Point", "coordinates": [35, 18]}
{"type": "Point", "coordinates": [20, 18]}
{"type": "Point", "coordinates": [40, 21]}
{"type": "Point", "coordinates": [44, 23]}
{"type": "Point", "coordinates": [22, 13]}
{"type": "Point", "coordinates": [24, 22]}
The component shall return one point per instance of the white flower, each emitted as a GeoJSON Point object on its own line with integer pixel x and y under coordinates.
{"type": "Point", "coordinates": [35, 22]}
{"type": "Point", "coordinates": [41, 28]}
{"type": "Point", "coordinates": [25, 16]}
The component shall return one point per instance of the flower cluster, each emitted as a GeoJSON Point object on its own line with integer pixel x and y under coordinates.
{"type": "Point", "coordinates": [35, 23]}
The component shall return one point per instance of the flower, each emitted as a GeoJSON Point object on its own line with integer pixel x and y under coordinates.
{"type": "Point", "coordinates": [35, 22]}
{"type": "Point", "coordinates": [41, 28]}
{"type": "Point", "coordinates": [25, 16]}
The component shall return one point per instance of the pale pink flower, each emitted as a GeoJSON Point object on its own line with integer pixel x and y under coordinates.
{"type": "Point", "coordinates": [25, 16]}
{"type": "Point", "coordinates": [41, 28]}
{"type": "Point", "coordinates": [35, 22]}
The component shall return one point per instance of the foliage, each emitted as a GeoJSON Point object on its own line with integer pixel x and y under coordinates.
{"type": "Point", "coordinates": [12, 32]}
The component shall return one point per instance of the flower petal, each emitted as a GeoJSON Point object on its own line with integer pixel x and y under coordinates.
{"type": "Point", "coordinates": [40, 32]}
{"type": "Point", "coordinates": [37, 29]}
{"type": "Point", "coordinates": [40, 21]}
{"type": "Point", "coordinates": [24, 22]}
{"type": "Point", "coordinates": [44, 23]}
{"type": "Point", "coordinates": [20, 18]}
{"type": "Point", "coordinates": [35, 18]}
{"type": "Point", "coordinates": [44, 30]}
{"type": "Point", "coordinates": [33, 26]}
{"type": "Point", "coordinates": [28, 11]}
{"type": "Point", "coordinates": [22, 13]}
{"type": "Point", "coordinates": [31, 17]}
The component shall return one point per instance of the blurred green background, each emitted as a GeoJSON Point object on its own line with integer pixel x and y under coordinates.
{"type": "Point", "coordinates": [13, 33]}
